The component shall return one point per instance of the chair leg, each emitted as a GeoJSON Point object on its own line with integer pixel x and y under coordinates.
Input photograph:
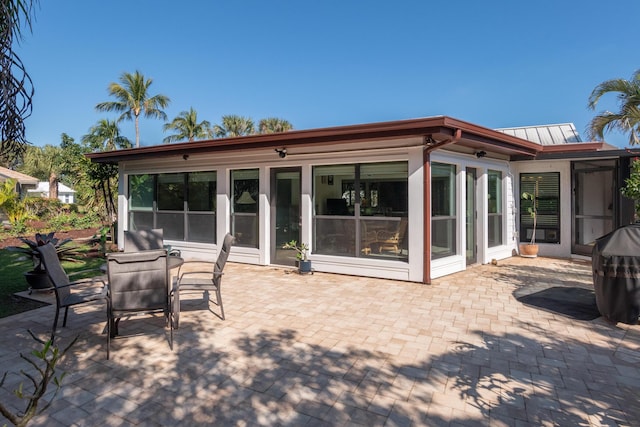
{"type": "Point", "coordinates": [66, 311]}
{"type": "Point", "coordinates": [55, 324]}
{"type": "Point", "coordinates": [219, 298]}
{"type": "Point", "coordinates": [175, 309]}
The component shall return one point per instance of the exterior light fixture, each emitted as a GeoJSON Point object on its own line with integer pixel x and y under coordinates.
{"type": "Point", "coordinates": [282, 152]}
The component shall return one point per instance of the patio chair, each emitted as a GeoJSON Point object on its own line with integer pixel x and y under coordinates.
{"type": "Point", "coordinates": [146, 240]}
{"type": "Point", "coordinates": [63, 286]}
{"type": "Point", "coordinates": [193, 280]}
{"type": "Point", "coordinates": [138, 284]}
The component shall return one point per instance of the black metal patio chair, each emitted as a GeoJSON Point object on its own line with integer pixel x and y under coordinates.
{"type": "Point", "coordinates": [63, 286]}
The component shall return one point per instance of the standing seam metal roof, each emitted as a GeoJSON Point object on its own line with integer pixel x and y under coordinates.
{"type": "Point", "coordinates": [563, 133]}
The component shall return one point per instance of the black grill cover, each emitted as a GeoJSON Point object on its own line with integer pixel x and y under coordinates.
{"type": "Point", "coordinates": [616, 274]}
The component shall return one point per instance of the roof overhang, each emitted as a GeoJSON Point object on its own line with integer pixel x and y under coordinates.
{"type": "Point", "coordinates": [432, 132]}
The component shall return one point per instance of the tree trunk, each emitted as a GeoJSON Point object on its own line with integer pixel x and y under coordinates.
{"type": "Point", "coordinates": [137, 132]}
{"type": "Point", "coordinates": [53, 186]}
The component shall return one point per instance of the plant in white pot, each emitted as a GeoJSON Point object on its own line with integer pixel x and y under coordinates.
{"type": "Point", "coordinates": [302, 250]}
{"type": "Point", "coordinates": [530, 250]}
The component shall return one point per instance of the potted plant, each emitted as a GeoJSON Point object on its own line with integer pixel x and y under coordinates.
{"type": "Point", "coordinates": [37, 277]}
{"type": "Point", "coordinates": [530, 250]}
{"type": "Point", "coordinates": [302, 249]}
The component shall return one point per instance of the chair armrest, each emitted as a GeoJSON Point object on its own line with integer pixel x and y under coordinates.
{"type": "Point", "coordinates": [75, 273]}
{"type": "Point", "coordinates": [193, 272]}
{"type": "Point", "coordinates": [88, 280]}
{"type": "Point", "coordinates": [206, 263]}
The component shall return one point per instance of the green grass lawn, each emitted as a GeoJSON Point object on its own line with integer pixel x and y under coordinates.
{"type": "Point", "coordinates": [12, 268]}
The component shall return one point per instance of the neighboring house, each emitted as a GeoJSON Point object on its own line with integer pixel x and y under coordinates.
{"type": "Point", "coordinates": [410, 200]}
{"type": "Point", "coordinates": [23, 182]}
{"type": "Point", "coordinates": [65, 194]}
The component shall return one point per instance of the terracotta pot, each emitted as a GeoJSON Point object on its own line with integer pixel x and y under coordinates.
{"type": "Point", "coordinates": [528, 250]}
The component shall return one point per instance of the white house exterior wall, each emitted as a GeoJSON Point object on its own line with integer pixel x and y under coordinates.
{"type": "Point", "coordinates": [265, 161]}
{"type": "Point", "coordinates": [385, 151]}
{"type": "Point", "coordinates": [444, 266]}
{"type": "Point", "coordinates": [564, 168]}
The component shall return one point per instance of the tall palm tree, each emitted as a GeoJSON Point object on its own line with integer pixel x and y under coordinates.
{"type": "Point", "coordinates": [16, 87]}
{"type": "Point", "coordinates": [627, 119]}
{"type": "Point", "coordinates": [133, 99]}
{"type": "Point", "coordinates": [233, 125]}
{"type": "Point", "coordinates": [187, 127]}
{"type": "Point", "coordinates": [105, 136]}
{"type": "Point", "coordinates": [274, 125]}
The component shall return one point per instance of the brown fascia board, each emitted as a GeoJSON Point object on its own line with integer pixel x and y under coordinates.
{"type": "Point", "coordinates": [438, 127]}
{"type": "Point", "coordinates": [572, 148]}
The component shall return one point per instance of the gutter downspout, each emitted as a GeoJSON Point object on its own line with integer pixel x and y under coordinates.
{"type": "Point", "coordinates": [426, 197]}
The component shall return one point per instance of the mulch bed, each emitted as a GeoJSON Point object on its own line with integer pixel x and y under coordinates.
{"type": "Point", "coordinates": [75, 235]}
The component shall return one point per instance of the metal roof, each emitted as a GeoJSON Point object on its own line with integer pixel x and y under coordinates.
{"type": "Point", "coordinates": [563, 133]}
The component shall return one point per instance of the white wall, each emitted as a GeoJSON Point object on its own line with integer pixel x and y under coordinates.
{"type": "Point", "coordinates": [563, 249]}
{"type": "Point", "coordinates": [265, 161]}
{"type": "Point", "coordinates": [458, 262]}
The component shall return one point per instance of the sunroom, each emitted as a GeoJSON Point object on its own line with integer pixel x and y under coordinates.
{"type": "Point", "coordinates": [408, 200]}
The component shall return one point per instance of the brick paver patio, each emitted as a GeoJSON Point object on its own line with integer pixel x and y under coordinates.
{"type": "Point", "coordinates": [328, 349]}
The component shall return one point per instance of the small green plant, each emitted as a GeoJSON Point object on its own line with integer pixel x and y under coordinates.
{"type": "Point", "coordinates": [533, 211]}
{"type": "Point", "coordinates": [301, 249]}
{"type": "Point", "coordinates": [44, 361]}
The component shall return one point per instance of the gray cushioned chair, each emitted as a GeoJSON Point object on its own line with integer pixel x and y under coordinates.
{"type": "Point", "coordinates": [63, 286]}
{"type": "Point", "coordinates": [193, 280]}
{"type": "Point", "coordinates": [138, 283]}
{"type": "Point", "coordinates": [145, 240]}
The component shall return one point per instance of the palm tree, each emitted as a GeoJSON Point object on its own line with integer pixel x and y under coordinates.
{"type": "Point", "coordinates": [187, 127]}
{"type": "Point", "coordinates": [274, 125]}
{"type": "Point", "coordinates": [16, 87]}
{"type": "Point", "coordinates": [133, 99]}
{"type": "Point", "coordinates": [105, 136]}
{"type": "Point", "coordinates": [44, 163]}
{"type": "Point", "coordinates": [625, 120]}
{"type": "Point", "coordinates": [233, 125]}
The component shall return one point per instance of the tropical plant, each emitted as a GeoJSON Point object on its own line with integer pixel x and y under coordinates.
{"type": "Point", "coordinates": [631, 188]}
{"type": "Point", "coordinates": [187, 128]}
{"type": "Point", "coordinates": [627, 119]}
{"type": "Point", "coordinates": [234, 125]}
{"type": "Point", "coordinates": [8, 193]}
{"type": "Point", "coordinates": [533, 211]}
{"type": "Point", "coordinates": [105, 136]}
{"type": "Point", "coordinates": [44, 362]}
{"type": "Point", "coordinates": [31, 250]}
{"type": "Point", "coordinates": [274, 125]}
{"type": "Point", "coordinates": [15, 208]}
{"type": "Point", "coordinates": [133, 99]}
{"type": "Point", "coordinates": [16, 87]}
{"type": "Point", "coordinates": [301, 249]}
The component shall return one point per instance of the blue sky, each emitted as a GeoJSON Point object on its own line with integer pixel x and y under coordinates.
{"type": "Point", "coordinates": [330, 62]}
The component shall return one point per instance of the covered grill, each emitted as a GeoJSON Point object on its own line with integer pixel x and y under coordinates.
{"type": "Point", "coordinates": [616, 274]}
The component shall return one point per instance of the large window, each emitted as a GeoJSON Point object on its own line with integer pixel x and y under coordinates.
{"type": "Point", "coordinates": [494, 200]}
{"type": "Point", "coordinates": [545, 187]}
{"type": "Point", "coordinates": [443, 210]}
{"type": "Point", "coordinates": [182, 204]}
{"type": "Point", "coordinates": [244, 207]}
{"type": "Point", "coordinates": [360, 210]}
